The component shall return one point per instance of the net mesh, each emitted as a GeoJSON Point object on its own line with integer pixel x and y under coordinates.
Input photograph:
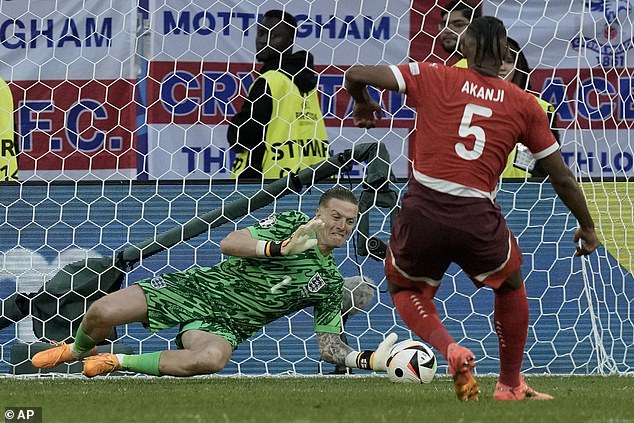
{"type": "Point", "coordinates": [122, 112]}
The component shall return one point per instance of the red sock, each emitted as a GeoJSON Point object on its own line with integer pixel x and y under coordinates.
{"type": "Point", "coordinates": [511, 325]}
{"type": "Point", "coordinates": [420, 315]}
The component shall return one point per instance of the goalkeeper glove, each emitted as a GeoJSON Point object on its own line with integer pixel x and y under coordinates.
{"type": "Point", "coordinates": [373, 360]}
{"type": "Point", "coordinates": [301, 240]}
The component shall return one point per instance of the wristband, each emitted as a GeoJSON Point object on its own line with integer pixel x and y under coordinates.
{"type": "Point", "coordinates": [260, 248]}
{"type": "Point", "coordinates": [268, 249]}
{"type": "Point", "coordinates": [274, 249]}
{"type": "Point", "coordinates": [364, 360]}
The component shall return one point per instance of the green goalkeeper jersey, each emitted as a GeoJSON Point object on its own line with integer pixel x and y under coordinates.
{"type": "Point", "coordinates": [248, 293]}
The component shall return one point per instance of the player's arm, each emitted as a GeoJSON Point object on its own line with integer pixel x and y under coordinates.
{"type": "Point", "coordinates": [333, 350]}
{"type": "Point", "coordinates": [564, 183]}
{"type": "Point", "coordinates": [545, 149]}
{"type": "Point", "coordinates": [358, 77]}
{"type": "Point", "coordinates": [366, 111]}
{"type": "Point", "coordinates": [241, 243]}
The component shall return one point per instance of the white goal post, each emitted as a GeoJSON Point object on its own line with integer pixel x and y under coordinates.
{"type": "Point", "coordinates": [118, 125]}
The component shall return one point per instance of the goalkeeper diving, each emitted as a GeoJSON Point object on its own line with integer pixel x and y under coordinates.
{"type": "Point", "coordinates": [276, 267]}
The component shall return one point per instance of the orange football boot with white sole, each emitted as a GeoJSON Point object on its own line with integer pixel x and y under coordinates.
{"type": "Point", "coordinates": [519, 393]}
{"type": "Point", "coordinates": [100, 364]}
{"type": "Point", "coordinates": [60, 353]}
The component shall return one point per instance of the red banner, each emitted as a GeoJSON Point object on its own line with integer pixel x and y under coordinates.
{"type": "Point", "coordinates": [75, 125]}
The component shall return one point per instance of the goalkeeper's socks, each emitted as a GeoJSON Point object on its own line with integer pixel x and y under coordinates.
{"type": "Point", "coordinates": [141, 363]}
{"type": "Point", "coordinates": [511, 324]}
{"type": "Point", "coordinates": [421, 316]}
{"type": "Point", "coordinates": [83, 343]}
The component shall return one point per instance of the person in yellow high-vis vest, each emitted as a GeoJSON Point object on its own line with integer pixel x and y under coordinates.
{"type": "Point", "coordinates": [280, 127]}
{"type": "Point", "coordinates": [515, 69]}
{"type": "Point", "coordinates": [8, 150]}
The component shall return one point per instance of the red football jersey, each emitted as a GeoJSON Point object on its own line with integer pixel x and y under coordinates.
{"type": "Point", "coordinates": [466, 126]}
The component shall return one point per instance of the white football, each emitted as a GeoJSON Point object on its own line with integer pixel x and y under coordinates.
{"type": "Point", "coordinates": [411, 362]}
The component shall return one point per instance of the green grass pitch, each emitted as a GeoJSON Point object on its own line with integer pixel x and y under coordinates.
{"type": "Point", "coordinates": [315, 399]}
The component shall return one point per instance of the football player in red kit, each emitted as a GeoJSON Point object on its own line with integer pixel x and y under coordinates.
{"type": "Point", "coordinates": [468, 122]}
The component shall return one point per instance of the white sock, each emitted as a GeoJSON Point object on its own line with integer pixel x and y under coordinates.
{"type": "Point", "coordinates": [78, 355]}
{"type": "Point", "coordinates": [351, 359]}
{"type": "Point", "coordinates": [73, 352]}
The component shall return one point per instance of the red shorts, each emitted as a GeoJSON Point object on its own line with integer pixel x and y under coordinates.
{"type": "Point", "coordinates": [434, 229]}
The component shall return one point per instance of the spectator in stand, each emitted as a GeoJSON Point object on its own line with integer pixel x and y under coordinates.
{"type": "Point", "coordinates": [455, 17]}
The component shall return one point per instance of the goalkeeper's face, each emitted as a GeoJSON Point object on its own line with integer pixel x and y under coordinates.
{"type": "Point", "coordinates": [339, 218]}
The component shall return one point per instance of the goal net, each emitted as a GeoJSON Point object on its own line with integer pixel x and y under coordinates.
{"type": "Point", "coordinates": [117, 120]}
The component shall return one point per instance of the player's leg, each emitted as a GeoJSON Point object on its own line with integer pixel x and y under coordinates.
{"type": "Point", "coordinates": [416, 261]}
{"type": "Point", "coordinates": [511, 325]}
{"type": "Point", "coordinates": [414, 301]}
{"type": "Point", "coordinates": [202, 353]}
{"type": "Point", "coordinates": [171, 299]}
{"type": "Point", "coordinates": [124, 306]}
{"type": "Point", "coordinates": [494, 259]}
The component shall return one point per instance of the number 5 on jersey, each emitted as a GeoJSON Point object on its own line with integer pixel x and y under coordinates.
{"type": "Point", "coordinates": [467, 129]}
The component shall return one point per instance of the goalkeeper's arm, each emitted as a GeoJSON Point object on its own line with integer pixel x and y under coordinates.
{"type": "Point", "coordinates": [334, 350]}
{"type": "Point", "coordinates": [241, 244]}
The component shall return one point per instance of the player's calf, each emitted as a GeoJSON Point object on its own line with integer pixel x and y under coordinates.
{"type": "Point", "coordinates": [204, 363]}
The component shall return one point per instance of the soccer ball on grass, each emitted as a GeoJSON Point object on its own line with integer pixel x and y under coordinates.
{"type": "Point", "coordinates": [411, 362]}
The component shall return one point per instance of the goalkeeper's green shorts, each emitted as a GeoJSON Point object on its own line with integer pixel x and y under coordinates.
{"type": "Point", "coordinates": [174, 299]}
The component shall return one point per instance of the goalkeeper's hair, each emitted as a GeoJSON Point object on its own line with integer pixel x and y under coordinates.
{"type": "Point", "coordinates": [338, 193]}
{"type": "Point", "coordinates": [490, 36]}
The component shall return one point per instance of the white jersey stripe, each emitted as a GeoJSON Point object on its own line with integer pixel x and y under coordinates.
{"type": "Point", "coordinates": [399, 78]}
{"type": "Point", "coordinates": [482, 276]}
{"type": "Point", "coordinates": [429, 281]}
{"type": "Point", "coordinates": [451, 188]}
{"type": "Point", "coordinates": [547, 152]}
